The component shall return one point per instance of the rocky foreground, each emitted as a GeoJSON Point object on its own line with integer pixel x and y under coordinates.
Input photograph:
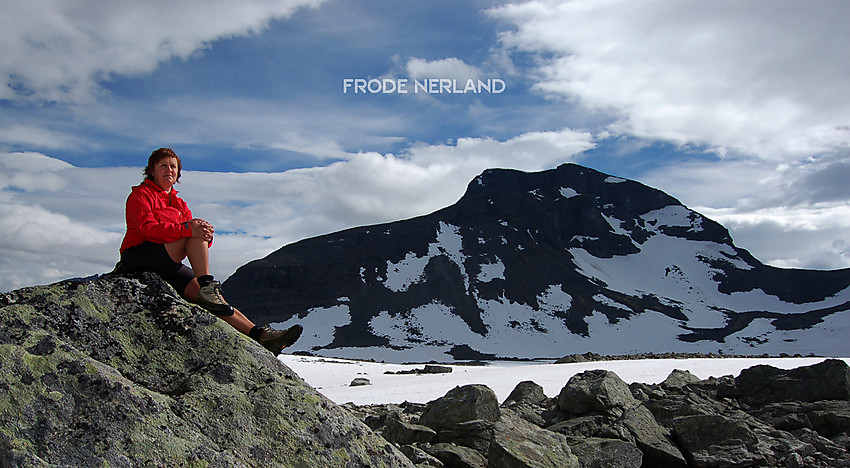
{"type": "Point", "coordinates": [119, 371]}
{"type": "Point", "coordinates": [764, 417]}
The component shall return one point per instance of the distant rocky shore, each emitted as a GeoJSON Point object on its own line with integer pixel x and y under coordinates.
{"type": "Point", "coordinates": [594, 357]}
{"type": "Point", "coordinates": [763, 417]}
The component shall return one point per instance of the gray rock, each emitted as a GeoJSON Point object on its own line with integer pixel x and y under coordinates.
{"type": "Point", "coordinates": [717, 441]}
{"type": "Point", "coordinates": [402, 432]}
{"type": "Point", "coordinates": [596, 391]}
{"type": "Point", "coordinates": [526, 392]}
{"type": "Point", "coordinates": [827, 380]}
{"type": "Point", "coordinates": [603, 453]}
{"type": "Point", "coordinates": [432, 369]}
{"type": "Point", "coordinates": [360, 382]}
{"type": "Point", "coordinates": [457, 456]}
{"type": "Point", "coordinates": [651, 438]}
{"type": "Point", "coordinates": [420, 457]}
{"type": "Point", "coordinates": [119, 371]}
{"type": "Point", "coordinates": [520, 444]}
{"type": "Point", "coordinates": [461, 404]}
{"type": "Point", "coordinates": [581, 427]}
{"type": "Point", "coordinates": [477, 435]}
{"type": "Point", "coordinates": [679, 378]}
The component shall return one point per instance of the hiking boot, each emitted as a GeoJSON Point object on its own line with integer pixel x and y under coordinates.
{"type": "Point", "coordinates": [210, 298]}
{"type": "Point", "coordinates": [275, 340]}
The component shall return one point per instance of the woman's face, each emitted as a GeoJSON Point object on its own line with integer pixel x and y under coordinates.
{"type": "Point", "coordinates": [165, 173]}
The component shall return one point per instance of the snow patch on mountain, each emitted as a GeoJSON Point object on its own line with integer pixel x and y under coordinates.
{"type": "Point", "coordinates": [491, 271]}
{"type": "Point", "coordinates": [673, 216]}
{"type": "Point", "coordinates": [568, 192]}
{"type": "Point", "coordinates": [319, 324]}
{"type": "Point", "coordinates": [411, 270]}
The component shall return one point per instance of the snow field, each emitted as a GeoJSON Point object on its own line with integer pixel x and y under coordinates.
{"type": "Point", "coordinates": [332, 376]}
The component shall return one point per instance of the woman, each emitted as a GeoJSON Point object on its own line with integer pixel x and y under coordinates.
{"type": "Point", "coordinates": [161, 233]}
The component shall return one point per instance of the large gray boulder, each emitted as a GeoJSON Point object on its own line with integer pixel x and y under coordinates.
{"type": "Point", "coordinates": [603, 453]}
{"type": "Point", "coordinates": [596, 391]}
{"type": "Point", "coordinates": [715, 440]}
{"type": "Point", "coordinates": [461, 404]}
{"type": "Point", "coordinates": [519, 444]}
{"type": "Point", "coordinates": [119, 371]}
{"type": "Point", "coordinates": [827, 380]}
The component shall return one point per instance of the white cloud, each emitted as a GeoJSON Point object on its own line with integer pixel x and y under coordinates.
{"type": "Point", "coordinates": [764, 77]}
{"type": "Point", "coordinates": [449, 68]}
{"type": "Point", "coordinates": [58, 51]}
{"type": "Point", "coordinates": [785, 215]}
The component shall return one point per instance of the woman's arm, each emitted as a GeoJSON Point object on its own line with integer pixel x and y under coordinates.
{"type": "Point", "coordinates": [141, 218]}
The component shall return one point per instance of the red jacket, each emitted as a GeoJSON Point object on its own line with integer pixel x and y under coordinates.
{"type": "Point", "coordinates": [155, 215]}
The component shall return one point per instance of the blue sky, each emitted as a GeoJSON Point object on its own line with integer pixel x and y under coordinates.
{"type": "Point", "coordinates": [739, 109]}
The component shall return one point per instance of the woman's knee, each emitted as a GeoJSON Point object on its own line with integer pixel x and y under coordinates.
{"type": "Point", "coordinates": [177, 250]}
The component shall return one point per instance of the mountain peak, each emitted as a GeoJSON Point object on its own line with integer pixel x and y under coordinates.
{"type": "Point", "coordinates": [539, 265]}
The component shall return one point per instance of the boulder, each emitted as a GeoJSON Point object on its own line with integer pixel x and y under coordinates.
{"type": "Point", "coordinates": [596, 391]}
{"type": "Point", "coordinates": [120, 371]}
{"type": "Point", "coordinates": [456, 456]}
{"type": "Point", "coordinates": [526, 392]}
{"type": "Point", "coordinates": [717, 441]}
{"type": "Point", "coordinates": [461, 404]}
{"type": "Point", "coordinates": [420, 457]}
{"type": "Point", "coordinates": [477, 435]}
{"type": "Point", "coordinates": [827, 380]}
{"type": "Point", "coordinates": [360, 382]}
{"type": "Point", "coordinates": [581, 427]}
{"type": "Point", "coordinates": [520, 444]}
{"type": "Point", "coordinates": [679, 378]}
{"type": "Point", "coordinates": [651, 438]}
{"type": "Point", "coordinates": [594, 452]}
{"type": "Point", "coordinates": [401, 432]}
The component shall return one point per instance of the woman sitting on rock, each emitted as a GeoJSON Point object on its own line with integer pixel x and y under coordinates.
{"type": "Point", "coordinates": [161, 233]}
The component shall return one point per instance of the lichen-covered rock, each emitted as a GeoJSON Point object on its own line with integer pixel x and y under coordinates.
{"type": "Point", "coordinates": [461, 404]}
{"type": "Point", "coordinates": [119, 371]}
{"type": "Point", "coordinates": [715, 440]}
{"type": "Point", "coordinates": [596, 391]}
{"type": "Point", "coordinates": [519, 444]}
{"type": "Point", "coordinates": [603, 453]}
{"type": "Point", "coordinates": [477, 434]}
{"type": "Point", "coordinates": [457, 456]}
{"type": "Point", "coordinates": [679, 378]}
{"type": "Point", "coordinates": [402, 432]}
{"type": "Point", "coordinates": [827, 380]}
{"type": "Point", "coordinates": [526, 392]}
{"type": "Point", "coordinates": [651, 438]}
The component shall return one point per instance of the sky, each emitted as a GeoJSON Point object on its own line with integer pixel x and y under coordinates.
{"type": "Point", "coordinates": [739, 109]}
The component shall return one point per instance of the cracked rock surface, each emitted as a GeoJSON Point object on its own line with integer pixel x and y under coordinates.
{"type": "Point", "coordinates": [119, 371]}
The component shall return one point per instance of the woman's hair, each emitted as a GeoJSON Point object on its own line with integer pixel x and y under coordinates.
{"type": "Point", "coordinates": [159, 155]}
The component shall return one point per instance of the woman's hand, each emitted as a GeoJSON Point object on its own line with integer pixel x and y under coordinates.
{"type": "Point", "coordinates": [202, 229]}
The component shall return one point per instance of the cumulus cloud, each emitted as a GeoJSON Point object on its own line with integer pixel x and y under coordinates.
{"type": "Point", "coordinates": [451, 68]}
{"type": "Point", "coordinates": [764, 78]}
{"type": "Point", "coordinates": [58, 51]}
{"type": "Point", "coordinates": [792, 216]}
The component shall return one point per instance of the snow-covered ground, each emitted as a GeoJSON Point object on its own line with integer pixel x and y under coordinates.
{"type": "Point", "coordinates": [332, 377]}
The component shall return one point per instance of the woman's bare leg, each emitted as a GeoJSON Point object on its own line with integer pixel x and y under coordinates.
{"type": "Point", "coordinates": [197, 250]}
{"type": "Point", "coordinates": [239, 321]}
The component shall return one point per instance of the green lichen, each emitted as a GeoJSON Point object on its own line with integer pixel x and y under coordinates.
{"type": "Point", "coordinates": [120, 368]}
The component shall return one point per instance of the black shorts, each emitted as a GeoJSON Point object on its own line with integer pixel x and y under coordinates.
{"type": "Point", "coordinates": [150, 256]}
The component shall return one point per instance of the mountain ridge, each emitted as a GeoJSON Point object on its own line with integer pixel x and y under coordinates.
{"type": "Point", "coordinates": [561, 256]}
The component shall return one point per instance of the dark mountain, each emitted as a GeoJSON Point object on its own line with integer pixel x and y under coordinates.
{"type": "Point", "coordinates": [543, 264]}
